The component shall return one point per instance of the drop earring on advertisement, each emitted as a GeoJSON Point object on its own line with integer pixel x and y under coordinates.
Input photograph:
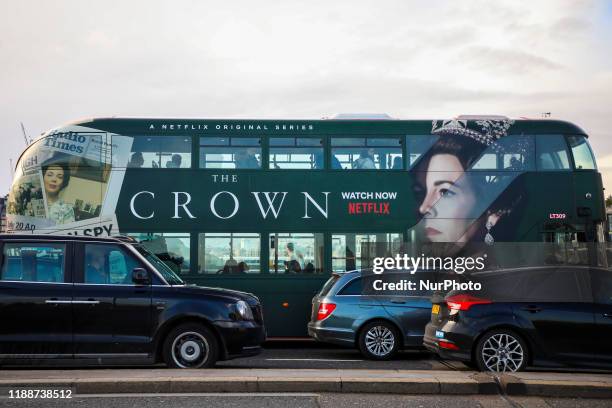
{"type": "Point", "coordinates": [488, 237]}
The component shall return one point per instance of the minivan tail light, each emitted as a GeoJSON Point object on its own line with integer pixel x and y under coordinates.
{"type": "Point", "coordinates": [325, 310]}
{"type": "Point", "coordinates": [447, 345]}
{"type": "Point", "coordinates": [464, 302]}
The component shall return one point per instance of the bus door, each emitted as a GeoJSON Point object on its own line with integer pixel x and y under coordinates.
{"type": "Point", "coordinates": [590, 208]}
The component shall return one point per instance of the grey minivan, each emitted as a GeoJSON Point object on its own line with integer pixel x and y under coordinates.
{"type": "Point", "coordinates": [378, 326]}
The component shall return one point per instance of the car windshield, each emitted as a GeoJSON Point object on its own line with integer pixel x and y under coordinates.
{"type": "Point", "coordinates": [168, 274]}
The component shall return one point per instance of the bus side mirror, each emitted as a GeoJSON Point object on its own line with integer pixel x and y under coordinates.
{"type": "Point", "coordinates": [140, 276]}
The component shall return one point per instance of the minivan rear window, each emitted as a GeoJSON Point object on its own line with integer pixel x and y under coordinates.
{"type": "Point", "coordinates": [328, 285]}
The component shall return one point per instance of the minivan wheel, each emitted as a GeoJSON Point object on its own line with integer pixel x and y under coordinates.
{"type": "Point", "coordinates": [378, 340]}
{"type": "Point", "coordinates": [190, 346]}
{"type": "Point", "coordinates": [501, 351]}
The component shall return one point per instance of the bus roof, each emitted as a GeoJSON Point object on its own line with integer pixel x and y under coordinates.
{"type": "Point", "coordinates": [127, 125]}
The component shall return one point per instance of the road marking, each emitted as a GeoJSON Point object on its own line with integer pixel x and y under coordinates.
{"type": "Point", "coordinates": [201, 394]}
{"type": "Point", "coordinates": [311, 359]}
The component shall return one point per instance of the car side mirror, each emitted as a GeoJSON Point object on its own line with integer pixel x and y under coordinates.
{"type": "Point", "coordinates": [140, 276]}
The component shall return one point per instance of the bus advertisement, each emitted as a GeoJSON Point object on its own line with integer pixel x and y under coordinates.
{"type": "Point", "coordinates": [273, 207]}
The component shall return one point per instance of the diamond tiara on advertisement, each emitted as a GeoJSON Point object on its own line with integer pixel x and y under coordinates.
{"type": "Point", "coordinates": [490, 130]}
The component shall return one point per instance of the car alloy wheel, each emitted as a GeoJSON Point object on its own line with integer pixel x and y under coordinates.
{"type": "Point", "coordinates": [502, 352]}
{"type": "Point", "coordinates": [380, 341]}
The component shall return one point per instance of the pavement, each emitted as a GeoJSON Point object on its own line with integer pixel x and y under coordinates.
{"type": "Point", "coordinates": [413, 382]}
{"type": "Point", "coordinates": [304, 400]}
{"type": "Point", "coordinates": [312, 368]}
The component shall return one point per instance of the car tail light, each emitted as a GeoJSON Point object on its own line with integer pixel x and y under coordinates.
{"type": "Point", "coordinates": [325, 310]}
{"type": "Point", "coordinates": [464, 302]}
{"type": "Point", "coordinates": [447, 345]}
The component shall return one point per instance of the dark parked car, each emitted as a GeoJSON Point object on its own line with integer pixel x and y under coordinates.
{"type": "Point", "coordinates": [546, 316]}
{"type": "Point", "coordinates": [377, 325]}
{"type": "Point", "coordinates": [110, 301]}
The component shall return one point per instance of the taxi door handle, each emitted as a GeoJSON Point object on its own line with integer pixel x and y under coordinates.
{"type": "Point", "coordinates": [56, 301]}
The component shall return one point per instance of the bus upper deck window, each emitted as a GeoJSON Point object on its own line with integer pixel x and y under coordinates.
{"type": "Point", "coordinates": [510, 153]}
{"type": "Point", "coordinates": [417, 146]}
{"type": "Point", "coordinates": [551, 153]}
{"type": "Point", "coordinates": [581, 151]}
{"type": "Point", "coordinates": [225, 152]}
{"type": "Point", "coordinates": [168, 152]}
{"type": "Point", "coordinates": [367, 153]}
{"type": "Point", "coordinates": [296, 153]}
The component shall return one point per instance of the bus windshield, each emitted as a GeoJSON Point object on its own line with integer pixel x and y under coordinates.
{"type": "Point", "coordinates": [168, 274]}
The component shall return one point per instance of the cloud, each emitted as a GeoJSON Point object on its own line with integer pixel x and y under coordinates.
{"type": "Point", "coordinates": [508, 61]}
{"type": "Point", "coordinates": [302, 59]}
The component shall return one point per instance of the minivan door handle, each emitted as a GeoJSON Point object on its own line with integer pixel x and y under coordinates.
{"type": "Point", "coordinates": [607, 315]}
{"type": "Point", "coordinates": [532, 309]}
{"type": "Point", "coordinates": [86, 302]}
{"type": "Point", "coordinates": [399, 302]}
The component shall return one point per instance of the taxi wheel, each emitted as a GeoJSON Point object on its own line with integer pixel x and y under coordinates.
{"type": "Point", "coordinates": [379, 340]}
{"type": "Point", "coordinates": [190, 346]}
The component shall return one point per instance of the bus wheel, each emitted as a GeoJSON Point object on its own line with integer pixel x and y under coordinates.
{"type": "Point", "coordinates": [190, 346]}
{"type": "Point", "coordinates": [378, 340]}
{"type": "Point", "coordinates": [501, 350]}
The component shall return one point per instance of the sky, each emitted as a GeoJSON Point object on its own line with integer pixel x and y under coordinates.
{"type": "Point", "coordinates": [66, 60]}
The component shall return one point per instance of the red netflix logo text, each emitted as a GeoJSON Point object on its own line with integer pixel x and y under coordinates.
{"type": "Point", "coordinates": [369, 208]}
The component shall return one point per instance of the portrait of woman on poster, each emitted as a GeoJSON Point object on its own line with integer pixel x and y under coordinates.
{"type": "Point", "coordinates": [56, 177]}
{"type": "Point", "coordinates": [464, 207]}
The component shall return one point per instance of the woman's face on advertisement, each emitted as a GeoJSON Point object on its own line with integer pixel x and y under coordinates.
{"type": "Point", "coordinates": [53, 179]}
{"type": "Point", "coordinates": [449, 200]}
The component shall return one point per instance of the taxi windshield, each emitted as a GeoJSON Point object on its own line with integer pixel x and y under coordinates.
{"type": "Point", "coordinates": [167, 273]}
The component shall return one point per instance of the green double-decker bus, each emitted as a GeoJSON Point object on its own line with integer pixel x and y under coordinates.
{"type": "Point", "coordinates": [273, 207]}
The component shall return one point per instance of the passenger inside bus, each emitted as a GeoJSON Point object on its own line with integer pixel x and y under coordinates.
{"type": "Point", "coordinates": [365, 160]}
{"type": "Point", "coordinates": [515, 164]}
{"type": "Point", "coordinates": [243, 267]}
{"type": "Point", "coordinates": [230, 267]}
{"type": "Point", "coordinates": [295, 259]}
{"type": "Point", "coordinates": [246, 159]}
{"type": "Point", "coordinates": [136, 161]}
{"type": "Point", "coordinates": [319, 161]}
{"type": "Point", "coordinates": [175, 162]}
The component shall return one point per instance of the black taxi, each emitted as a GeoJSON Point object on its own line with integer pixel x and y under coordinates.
{"type": "Point", "coordinates": [110, 301]}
